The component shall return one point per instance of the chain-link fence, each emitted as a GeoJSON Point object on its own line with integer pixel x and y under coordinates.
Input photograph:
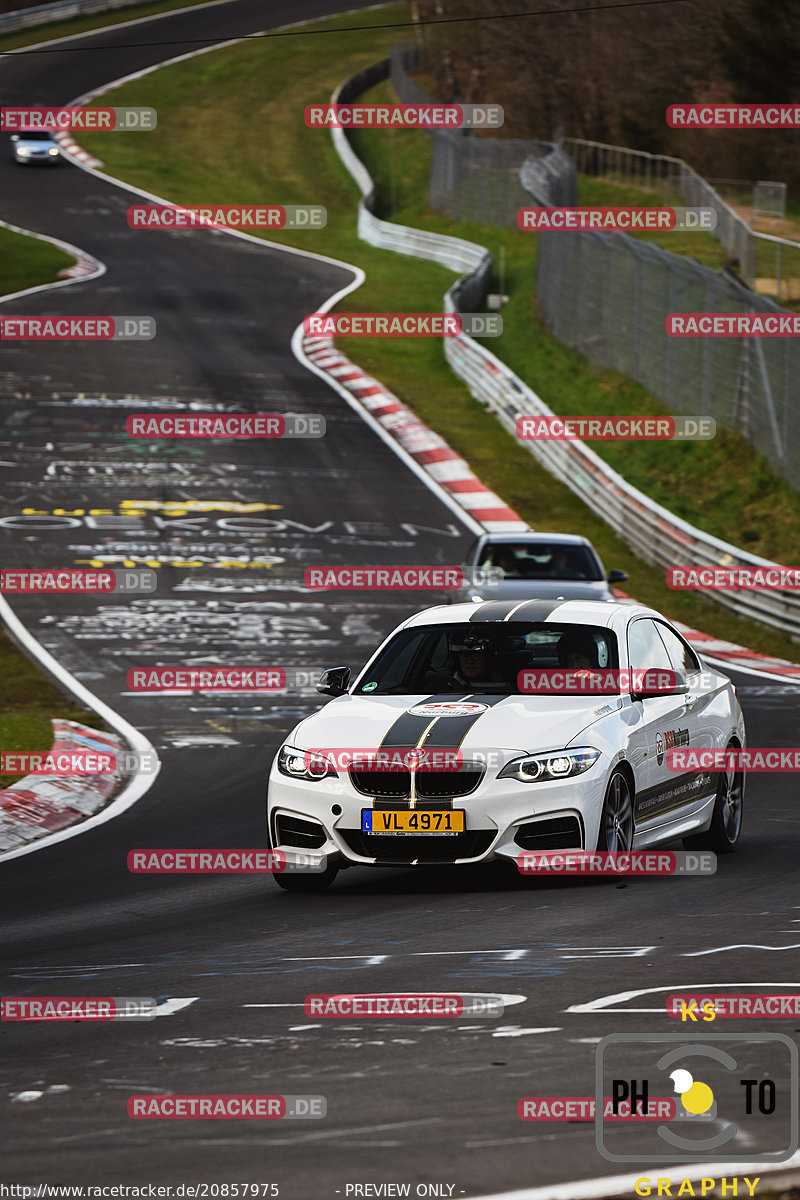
{"type": "Point", "coordinates": [769, 264]}
{"type": "Point", "coordinates": [474, 178]}
{"type": "Point", "coordinates": [608, 297]}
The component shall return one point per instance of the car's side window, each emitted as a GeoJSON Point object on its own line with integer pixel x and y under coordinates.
{"type": "Point", "coordinates": [683, 657]}
{"type": "Point", "coordinates": [645, 647]}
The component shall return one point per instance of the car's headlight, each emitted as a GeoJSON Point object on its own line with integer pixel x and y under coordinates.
{"type": "Point", "coordinates": [297, 764]}
{"type": "Point", "coordinates": [53, 150]}
{"type": "Point", "coordinates": [558, 764]}
{"type": "Point", "coordinates": [24, 151]}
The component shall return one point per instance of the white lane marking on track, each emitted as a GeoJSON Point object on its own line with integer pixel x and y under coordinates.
{"type": "Point", "coordinates": [26, 1097]}
{"type": "Point", "coordinates": [518, 1031]}
{"type": "Point", "coordinates": [372, 960]}
{"type": "Point", "coordinates": [603, 1002]}
{"type": "Point", "coordinates": [70, 37]}
{"type": "Point", "coordinates": [615, 1185]}
{"type": "Point", "coordinates": [174, 1004]}
{"type": "Point", "coordinates": [739, 946]}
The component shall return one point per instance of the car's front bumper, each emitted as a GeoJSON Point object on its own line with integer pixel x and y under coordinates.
{"type": "Point", "coordinates": [503, 819]}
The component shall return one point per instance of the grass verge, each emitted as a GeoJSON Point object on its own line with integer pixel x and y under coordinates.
{"type": "Point", "coordinates": [722, 486]}
{"type": "Point", "coordinates": [31, 701]}
{"type": "Point", "coordinates": [28, 262]}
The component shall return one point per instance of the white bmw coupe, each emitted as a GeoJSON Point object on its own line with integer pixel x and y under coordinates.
{"type": "Point", "coordinates": [444, 750]}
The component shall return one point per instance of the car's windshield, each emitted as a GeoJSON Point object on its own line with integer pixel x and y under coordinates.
{"type": "Point", "coordinates": [473, 657]}
{"type": "Point", "coordinates": [542, 560]}
{"type": "Point", "coordinates": [35, 135]}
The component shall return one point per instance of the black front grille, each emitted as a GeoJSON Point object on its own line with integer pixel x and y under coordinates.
{"type": "Point", "coordinates": [428, 848]}
{"type": "Point", "coordinates": [432, 785]}
{"type": "Point", "coordinates": [556, 833]}
{"type": "Point", "coordinates": [381, 783]}
{"type": "Point", "coordinates": [292, 831]}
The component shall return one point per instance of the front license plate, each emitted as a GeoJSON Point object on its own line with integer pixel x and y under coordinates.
{"type": "Point", "coordinates": [375, 820]}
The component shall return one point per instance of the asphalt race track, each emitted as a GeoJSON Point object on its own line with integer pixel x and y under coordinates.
{"type": "Point", "coordinates": [408, 1100]}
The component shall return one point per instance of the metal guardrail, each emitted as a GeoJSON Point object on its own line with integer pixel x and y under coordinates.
{"type": "Point", "coordinates": [656, 535]}
{"type": "Point", "coordinates": [61, 10]}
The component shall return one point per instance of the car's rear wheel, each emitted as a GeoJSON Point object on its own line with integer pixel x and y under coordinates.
{"type": "Point", "coordinates": [726, 821]}
{"type": "Point", "coordinates": [299, 881]}
{"type": "Point", "coordinates": [616, 822]}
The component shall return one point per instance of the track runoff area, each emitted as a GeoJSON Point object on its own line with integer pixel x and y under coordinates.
{"type": "Point", "coordinates": [592, 1020]}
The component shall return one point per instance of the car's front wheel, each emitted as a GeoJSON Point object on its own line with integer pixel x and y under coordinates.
{"type": "Point", "coordinates": [616, 822]}
{"type": "Point", "coordinates": [726, 820]}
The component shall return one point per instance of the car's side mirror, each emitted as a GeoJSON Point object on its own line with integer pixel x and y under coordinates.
{"type": "Point", "coordinates": [334, 682]}
{"type": "Point", "coordinates": [15, 137]}
{"type": "Point", "coordinates": [616, 576]}
{"type": "Point", "coordinates": [658, 682]}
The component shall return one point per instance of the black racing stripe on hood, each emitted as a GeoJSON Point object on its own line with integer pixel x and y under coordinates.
{"type": "Point", "coordinates": [537, 610]}
{"type": "Point", "coordinates": [492, 610]}
{"type": "Point", "coordinates": [408, 728]}
{"type": "Point", "coordinates": [449, 732]}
